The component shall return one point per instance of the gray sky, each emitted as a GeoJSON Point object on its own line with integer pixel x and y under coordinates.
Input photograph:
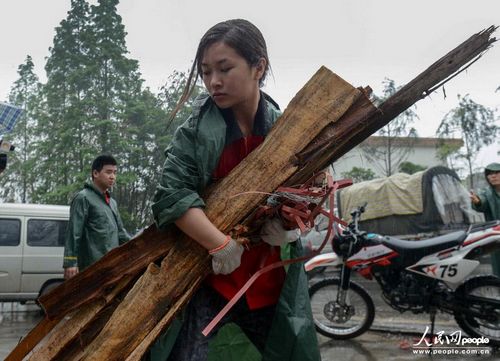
{"type": "Point", "coordinates": [363, 41]}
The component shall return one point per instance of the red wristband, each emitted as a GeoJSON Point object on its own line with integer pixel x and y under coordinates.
{"type": "Point", "coordinates": [216, 249]}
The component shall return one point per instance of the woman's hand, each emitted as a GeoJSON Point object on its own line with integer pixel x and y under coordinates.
{"type": "Point", "coordinates": [226, 252]}
{"type": "Point", "coordinates": [227, 257]}
{"type": "Point", "coordinates": [273, 233]}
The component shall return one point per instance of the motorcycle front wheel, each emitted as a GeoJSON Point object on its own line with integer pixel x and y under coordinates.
{"type": "Point", "coordinates": [481, 295]}
{"type": "Point", "coordinates": [336, 320]}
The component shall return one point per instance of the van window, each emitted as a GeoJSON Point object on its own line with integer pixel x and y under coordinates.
{"type": "Point", "coordinates": [46, 232]}
{"type": "Point", "coordinates": [10, 232]}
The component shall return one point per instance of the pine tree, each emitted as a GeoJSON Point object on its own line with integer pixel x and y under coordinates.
{"type": "Point", "coordinates": [149, 115]}
{"type": "Point", "coordinates": [66, 141]}
{"type": "Point", "coordinates": [122, 110]}
{"type": "Point", "coordinates": [94, 103]}
{"type": "Point", "coordinates": [116, 78]}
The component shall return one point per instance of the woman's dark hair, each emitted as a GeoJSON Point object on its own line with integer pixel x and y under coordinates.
{"type": "Point", "coordinates": [241, 35]}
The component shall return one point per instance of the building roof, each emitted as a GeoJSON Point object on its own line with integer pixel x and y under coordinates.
{"type": "Point", "coordinates": [375, 141]}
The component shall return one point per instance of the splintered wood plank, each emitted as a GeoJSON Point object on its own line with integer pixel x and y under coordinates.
{"type": "Point", "coordinates": [94, 282]}
{"type": "Point", "coordinates": [149, 301]}
{"type": "Point", "coordinates": [323, 142]}
{"type": "Point", "coordinates": [322, 101]}
{"type": "Point", "coordinates": [36, 334]}
{"type": "Point", "coordinates": [141, 349]}
{"type": "Point", "coordinates": [79, 327]}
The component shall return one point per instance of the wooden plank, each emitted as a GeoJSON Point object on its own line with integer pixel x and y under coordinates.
{"type": "Point", "coordinates": [332, 97]}
{"type": "Point", "coordinates": [344, 135]}
{"type": "Point", "coordinates": [353, 134]}
{"type": "Point", "coordinates": [321, 101]}
{"type": "Point", "coordinates": [424, 84]}
{"type": "Point", "coordinates": [364, 119]}
{"type": "Point", "coordinates": [319, 153]}
{"type": "Point", "coordinates": [129, 259]}
{"type": "Point", "coordinates": [141, 349]}
{"type": "Point", "coordinates": [75, 329]}
{"type": "Point", "coordinates": [148, 302]}
{"type": "Point", "coordinates": [36, 334]}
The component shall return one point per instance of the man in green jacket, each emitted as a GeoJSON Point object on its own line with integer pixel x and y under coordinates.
{"type": "Point", "coordinates": [488, 202]}
{"type": "Point", "coordinates": [95, 226]}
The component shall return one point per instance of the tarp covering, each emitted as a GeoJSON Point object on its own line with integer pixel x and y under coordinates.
{"type": "Point", "coordinates": [400, 194]}
{"type": "Point", "coordinates": [444, 203]}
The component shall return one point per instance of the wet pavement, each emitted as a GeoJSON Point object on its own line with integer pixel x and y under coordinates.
{"type": "Point", "coordinates": [16, 321]}
{"type": "Point", "coordinates": [393, 335]}
{"type": "Point", "coordinates": [398, 336]}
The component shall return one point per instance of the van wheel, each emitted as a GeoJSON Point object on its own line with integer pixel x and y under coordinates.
{"type": "Point", "coordinates": [49, 286]}
{"type": "Point", "coordinates": [46, 288]}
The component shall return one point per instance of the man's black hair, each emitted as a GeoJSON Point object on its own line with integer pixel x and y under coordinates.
{"type": "Point", "coordinates": [101, 161]}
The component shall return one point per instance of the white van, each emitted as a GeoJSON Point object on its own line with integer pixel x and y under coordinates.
{"type": "Point", "coordinates": [31, 249]}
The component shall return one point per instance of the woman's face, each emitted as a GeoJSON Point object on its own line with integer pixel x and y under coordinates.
{"type": "Point", "coordinates": [228, 77]}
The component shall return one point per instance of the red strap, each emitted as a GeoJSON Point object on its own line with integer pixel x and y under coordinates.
{"type": "Point", "coordinates": [243, 289]}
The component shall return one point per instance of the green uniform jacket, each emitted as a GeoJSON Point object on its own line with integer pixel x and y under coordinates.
{"type": "Point", "coordinates": [490, 203]}
{"type": "Point", "coordinates": [94, 228]}
{"type": "Point", "coordinates": [490, 206]}
{"type": "Point", "coordinates": [190, 161]}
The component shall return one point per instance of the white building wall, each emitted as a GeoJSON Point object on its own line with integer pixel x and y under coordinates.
{"type": "Point", "coordinates": [425, 156]}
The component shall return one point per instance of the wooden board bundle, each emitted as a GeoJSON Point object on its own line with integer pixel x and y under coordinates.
{"type": "Point", "coordinates": [116, 308]}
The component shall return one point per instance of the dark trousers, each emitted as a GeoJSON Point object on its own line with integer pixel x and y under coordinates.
{"type": "Point", "coordinates": [191, 345]}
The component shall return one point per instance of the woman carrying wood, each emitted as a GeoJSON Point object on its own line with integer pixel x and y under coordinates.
{"type": "Point", "coordinates": [274, 319]}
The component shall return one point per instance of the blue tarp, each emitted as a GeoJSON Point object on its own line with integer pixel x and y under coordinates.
{"type": "Point", "coordinates": [9, 114]}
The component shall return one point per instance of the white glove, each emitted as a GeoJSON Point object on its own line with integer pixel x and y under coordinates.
{"type": "Point", "coordinates": [273, 233]}
{"type": "Point", "coordinates": [226, 258]}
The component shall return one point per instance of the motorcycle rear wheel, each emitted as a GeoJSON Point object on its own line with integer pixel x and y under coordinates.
{"type": "Point", "coordinates": [488, 288]}
{"type": "Point", "coordinates": [332, 319]}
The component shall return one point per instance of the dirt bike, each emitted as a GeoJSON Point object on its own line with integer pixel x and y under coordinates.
{"type": "Point", "coordinates": [418, 276]}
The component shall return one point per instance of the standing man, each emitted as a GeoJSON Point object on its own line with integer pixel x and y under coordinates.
{"type": "Point", "coordinates": [95, 226]}
{"type": "Point", "coordinates": [488, 202]}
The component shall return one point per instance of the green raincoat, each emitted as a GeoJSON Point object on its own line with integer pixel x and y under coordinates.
{"type": "Point", "coordinates": [191, 159]}
{"type": "Point", "coordinates": [490, 206]}
{"type": "Point", "coordinates": [94, 228]}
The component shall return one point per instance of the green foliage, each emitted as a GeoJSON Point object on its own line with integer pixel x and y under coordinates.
{"type": "Point", "coordinates": [358, 174]}
{"type": "Point", "coordinates": [93, 102]}
{"type": "Point", "coordinates": [411, 168]}
{"type": "Point", "coordinates": [447, 153]}
{"type": "Point", "coordinates": [472, 122]}
{"type": "Point", "coordinates": [17, 183]}
{"type": "Point", "coordinates": [388, 156]}
{"type": "Point", "coordinates": [66, 132]}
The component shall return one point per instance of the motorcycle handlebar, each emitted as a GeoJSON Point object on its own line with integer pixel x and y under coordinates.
{"type": "Point", "coordinates": [356, 214]}
{"type": "Point", "coordinates": [350, 238]}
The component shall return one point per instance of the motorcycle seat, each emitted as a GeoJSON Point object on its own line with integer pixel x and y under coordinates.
{"type": "Point", "coordinates": [418, 249]}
